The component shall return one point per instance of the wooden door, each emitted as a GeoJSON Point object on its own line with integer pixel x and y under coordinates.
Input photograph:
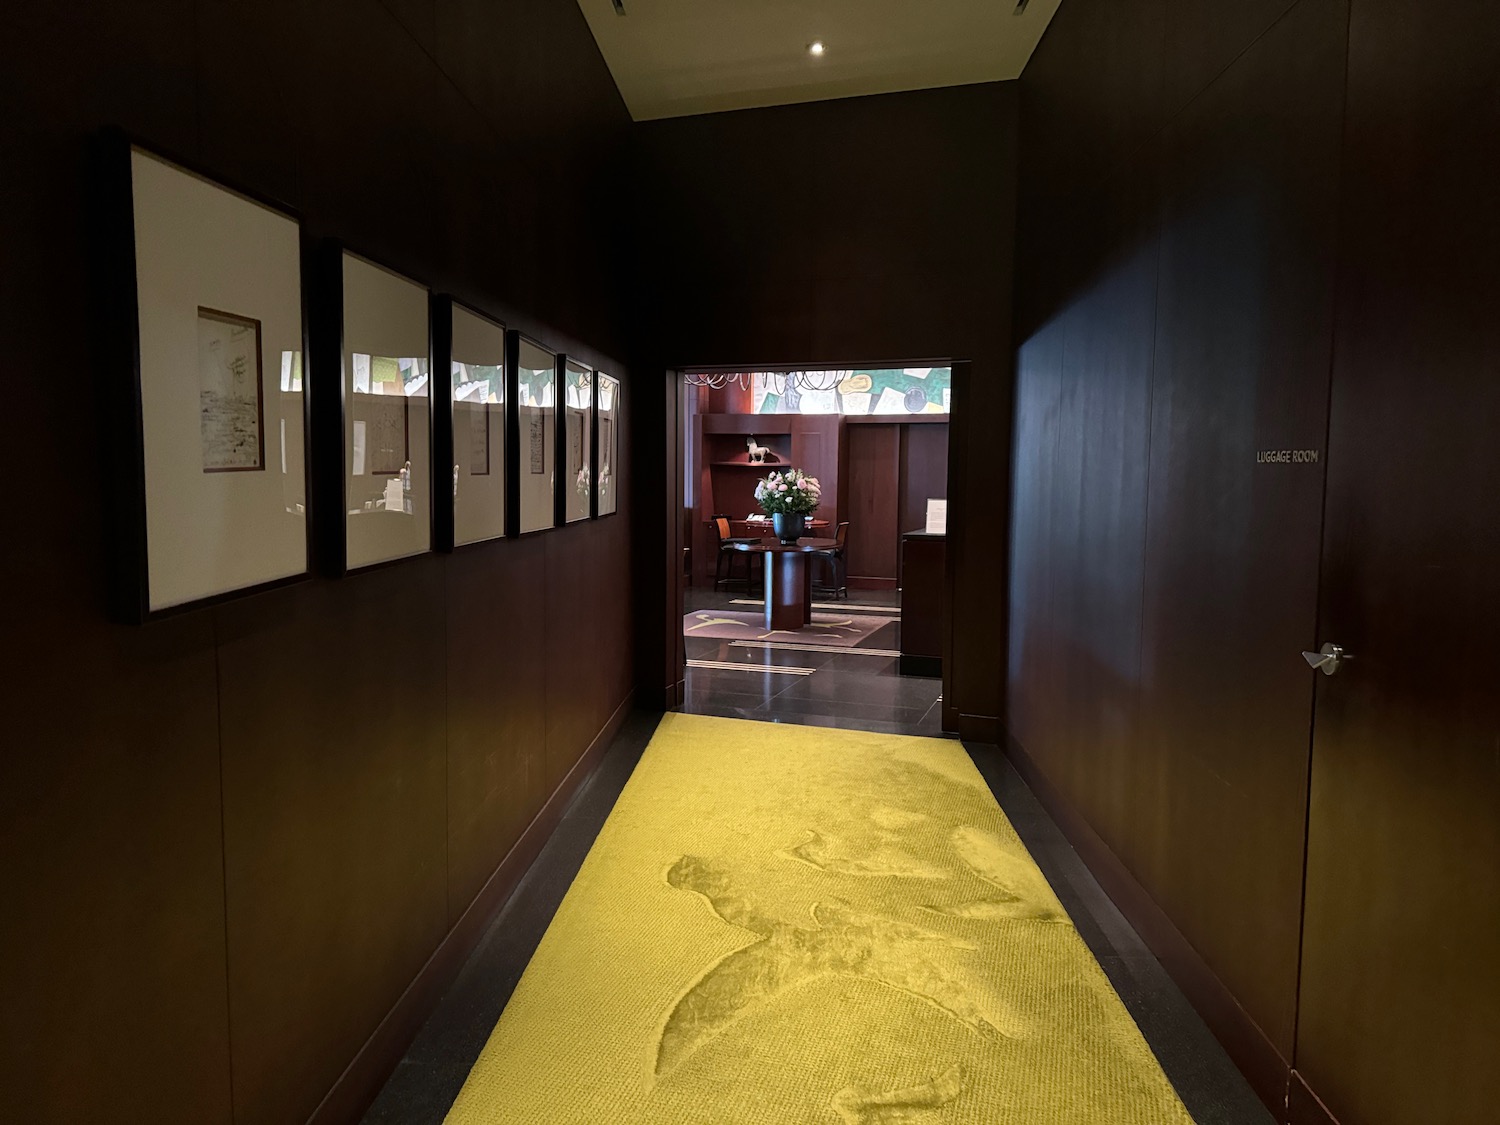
{"type": "Point", "coordinates": [874, 486]}
{"type": "Point", "coordinates": [1399, 1014]}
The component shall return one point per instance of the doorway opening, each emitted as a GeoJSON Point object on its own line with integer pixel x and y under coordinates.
{"type": "Point", "coordinates": [836, 618]}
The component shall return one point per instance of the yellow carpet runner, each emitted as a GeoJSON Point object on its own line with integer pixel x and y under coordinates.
{"type": "Point", "coordinates": [786, 924]}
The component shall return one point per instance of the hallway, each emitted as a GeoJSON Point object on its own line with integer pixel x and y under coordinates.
{"type": "Point", "coordinates": [389, 381]}
{"type": "Point", "coordinates": [435, 1068]}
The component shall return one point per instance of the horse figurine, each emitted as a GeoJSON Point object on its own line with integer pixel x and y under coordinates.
{"type": "Point", "coordinates": [757, 452]}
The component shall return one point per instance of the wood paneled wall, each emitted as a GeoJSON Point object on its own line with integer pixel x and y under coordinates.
{"type": "Point", "coordinates": [866, 230]}
{"type": "Point", "coordinates": [894, 469]}
{"type": "Point", "coordinates": [1179, 204]}
{"type": "Point", "coordinates": [1189, 173]}
{"type": "Point", "coordinates": [874, 488]}
{"type": "Point", "coordinates": [229, 841]}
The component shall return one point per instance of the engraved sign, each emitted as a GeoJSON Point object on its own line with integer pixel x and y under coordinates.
{"type": "Point", "coordinates": [1287, 456]}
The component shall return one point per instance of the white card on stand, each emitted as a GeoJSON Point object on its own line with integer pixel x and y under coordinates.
{"type": "Point", "coordinates": [937, 517]}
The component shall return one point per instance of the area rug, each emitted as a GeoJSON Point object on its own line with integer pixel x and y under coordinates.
{"type": "Point", "coordinates": [840, 629]}
{"type": "Point", "coordinates": [785, 924]}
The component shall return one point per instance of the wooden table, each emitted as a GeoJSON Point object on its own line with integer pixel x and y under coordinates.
{"type": "Point", "coordinates": [788, 589]}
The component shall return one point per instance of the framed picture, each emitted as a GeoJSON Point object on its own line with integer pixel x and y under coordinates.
{"type": "Point", "coordinates": [537, 429]}
{"type": "Point", "coordinates": [535, 382]}
{"type": "Point", "coordinates": [608, 405]}
{"type": "Point", "coordinates": [231, 395]}
{"type": "Point", "coordinates": [578, 442]}
{"type": "Point", "coordinates": [477, 379]}
{"type": "Point", "coordinates": [478, 426]}
{"type": "Point", "coordinates": [383, 322]}
{"type": "Point", "coordinates": [387, 435]}
{"type": "Point", "coordinates": [204, 325]}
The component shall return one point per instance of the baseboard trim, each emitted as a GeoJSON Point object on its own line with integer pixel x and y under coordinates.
{"type": "Point", "coordinates": [983, 729]}
{"type": "Point", "coordinates": [1304, 1107]}
{"type": "Point", "coordinates": [362, 1080]}
{"type": "Point", "coordinates": [929, 666]}
{"type": "Point", "coordinates": [1247, 1045]}
{"type": "Point", "coordinates": [871, 583]}
{"type": "Point", "coordinates": [666, 698]}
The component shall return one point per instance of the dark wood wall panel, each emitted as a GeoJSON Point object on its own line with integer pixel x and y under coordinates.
{"type": "Point", "coordinates": [380, 742]}
{"type": "Point", "coordinates": [893, 469]}
{"type": "Point", "coordinates": [1400, 1013]}
{"type": "Point", "coordinates": [112, 938]}
{"type": "Point", "coordinates": [1083, 438]}
{"type": "Point", "coordinates": [924, 473]}
{"type": "Point", "coordinates": [1243, 344]}
{"type": "Point", "coordinates": [874, 492]}
{"type": "Point", "coordinates": [1202, 38]}
{"type": "Point", "coordinates": [334, 821]}
{"type": "Point", "coordinates": [576, 665]}
{"type": "Point", "coordinates": [862, 230]}
{"type": "Point", "coordinates": [497, 707]}
{"type": "Point", "coordinates": [1179, 210]}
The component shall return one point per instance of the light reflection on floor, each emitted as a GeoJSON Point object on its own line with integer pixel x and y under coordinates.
{"type": "Point", "coordinates": [847, 688]}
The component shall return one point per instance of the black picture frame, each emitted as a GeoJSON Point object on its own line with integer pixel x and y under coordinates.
{"type": "Point", "coordinates": [614, 419]}
{"type": "Point", "coordinates": [116, 342]}
{"type": "Point", "coordinates": [564, 478]}
{"type": "Point", "coordinates": [560, 441]}
{"type": "Point", "coordinates": [440, 325]}
{"type": "Point", "coordinates": [445, 447]}
{"type": "Point", "coordinates": [516, 471]}
{"type": "Point", "coordinates": [328, 397]}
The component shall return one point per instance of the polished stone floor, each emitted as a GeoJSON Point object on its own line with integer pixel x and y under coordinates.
{"type": "Point", "coordinates": [856, 689]}
{"type": "Point", "coordinates": [430, 1076]}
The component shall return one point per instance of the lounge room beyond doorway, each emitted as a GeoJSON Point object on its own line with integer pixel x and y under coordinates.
{"type": "Point", "coordinates": [853, 634]}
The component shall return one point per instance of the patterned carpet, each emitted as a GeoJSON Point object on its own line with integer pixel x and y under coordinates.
{"type": "Point", "coordinates": [826, 628]}
{"type": "Point", "coordinates": [785, 924]}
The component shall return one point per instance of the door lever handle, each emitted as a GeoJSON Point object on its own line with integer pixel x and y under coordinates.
{"type": "Point", "coordinates": [1327, 660]}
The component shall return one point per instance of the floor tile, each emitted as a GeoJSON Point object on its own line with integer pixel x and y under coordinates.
{"type": "Point", "coordinates": [861, 691]}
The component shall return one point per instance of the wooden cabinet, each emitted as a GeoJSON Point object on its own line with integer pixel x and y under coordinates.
{"type": "Point", "coordinates": [924, 560]}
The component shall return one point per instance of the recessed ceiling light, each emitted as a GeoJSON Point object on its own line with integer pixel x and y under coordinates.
{"type": "Point", "coordinates": [815, 48]}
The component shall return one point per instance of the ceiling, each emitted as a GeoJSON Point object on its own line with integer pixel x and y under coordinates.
{"type": "Point", "coordinates": [671, 58]}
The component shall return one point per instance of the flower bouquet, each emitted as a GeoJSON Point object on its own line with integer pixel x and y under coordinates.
{"type": "Point", "coordinates": [788, 498]}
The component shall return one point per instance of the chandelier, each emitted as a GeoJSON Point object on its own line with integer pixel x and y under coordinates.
{"type": "Point", "coordinates": [776, 381]}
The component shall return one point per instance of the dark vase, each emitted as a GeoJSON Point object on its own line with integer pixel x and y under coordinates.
{"type": "Point", "coordinates": [789, 526]}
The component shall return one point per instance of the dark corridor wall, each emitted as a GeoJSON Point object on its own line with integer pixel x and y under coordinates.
{"type": "Point", "coordinates": [854, 231]}
{"type": "Point", "coordinates": [229, 841]}
{"type": "Point", "coordinates": [1178, 216]}
{"type": "Point", "coordinates": [1221, 206]}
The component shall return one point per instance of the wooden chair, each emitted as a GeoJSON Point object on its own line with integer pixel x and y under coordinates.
{"type": "Point", "coordinates": [724, 560]}
{"type": "Point", "coordinates": [838, 563]}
